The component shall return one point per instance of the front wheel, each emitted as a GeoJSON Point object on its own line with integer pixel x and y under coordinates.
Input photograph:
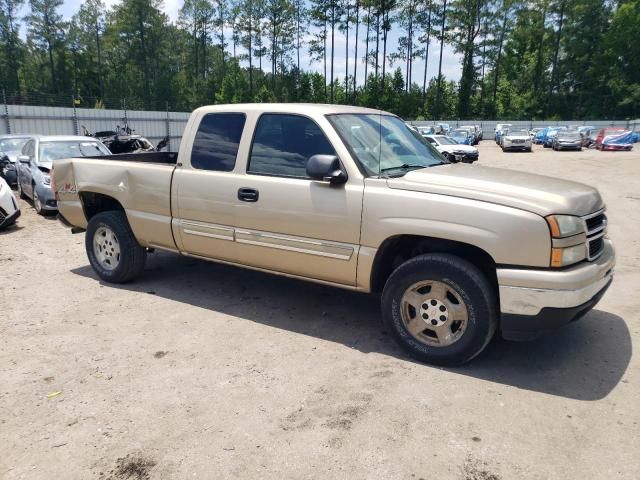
{"type": "Point", "coordinates": [440, 308]}
{"type": "Point", "coordinates": [113, 251]}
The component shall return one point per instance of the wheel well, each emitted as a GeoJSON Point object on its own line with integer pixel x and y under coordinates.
{"type": "Point", "coordinates": [396, 250]}
{"type": "Point", "coordinates": [94, 203]}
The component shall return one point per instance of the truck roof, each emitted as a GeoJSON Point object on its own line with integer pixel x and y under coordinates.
{"type": "Point", "coordinates": [301, 108]}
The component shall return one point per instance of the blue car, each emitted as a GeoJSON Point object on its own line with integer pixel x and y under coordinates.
{"type": "Point", "coordinates": [461, 136]}
{"type": "Point", "coordinates": [551, 134]}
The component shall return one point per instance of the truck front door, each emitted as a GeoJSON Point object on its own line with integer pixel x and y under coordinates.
{"type": "Point", "coordinates": [287, 222]}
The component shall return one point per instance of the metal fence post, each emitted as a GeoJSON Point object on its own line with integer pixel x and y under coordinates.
{"type": "Point", "coordinates": [168, 128]}
{"type": "Point", "coordinates": [6, 110]}
{"type": "Point", "coordinates": [75, 116]}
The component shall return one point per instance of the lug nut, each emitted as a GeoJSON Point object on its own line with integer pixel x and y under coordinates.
{"type": "Point", "coordinates": [434, 322]}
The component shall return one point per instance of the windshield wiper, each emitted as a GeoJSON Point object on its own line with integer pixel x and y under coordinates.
{"type": "Point", "coordinates": [404, 166]}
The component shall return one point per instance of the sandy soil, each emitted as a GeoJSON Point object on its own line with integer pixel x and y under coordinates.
{"type": "Point", "coordinates": [199, 370]}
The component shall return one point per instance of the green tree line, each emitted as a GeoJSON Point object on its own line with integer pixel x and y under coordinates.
{"type": "Point", "coordinates": [518, 59]}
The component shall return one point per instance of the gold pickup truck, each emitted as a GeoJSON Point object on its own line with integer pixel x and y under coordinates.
{"type": "Point", "coordinates": [353, 198]}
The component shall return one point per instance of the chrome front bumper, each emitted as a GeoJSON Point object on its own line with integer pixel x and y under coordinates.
{"type": "Point", "coordinates": [527, 292]}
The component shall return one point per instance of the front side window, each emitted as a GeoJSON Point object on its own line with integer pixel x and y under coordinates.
{"type": "Point", "coordinates": [217, 140]}
{"type": "Point", "coordinates": [283, 144]}
{"type": "Point", "coordinates": [383, 144]}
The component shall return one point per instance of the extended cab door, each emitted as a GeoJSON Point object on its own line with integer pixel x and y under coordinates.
{"type": "Point", "coordinates": [204, 186]}
{"type": "Point", "coordinates": [284, 220]}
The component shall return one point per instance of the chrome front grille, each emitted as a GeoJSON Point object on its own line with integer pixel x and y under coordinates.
{"type": "Point", "coordinates": [596, 227]}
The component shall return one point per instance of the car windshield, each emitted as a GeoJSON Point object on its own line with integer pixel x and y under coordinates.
{"type": "Point", "coordinates": [519, 131]}
{"type": "Point", "coordinates": [446, 141]}
{"type": "Point", "coordinates": [54, 150]}
{"type": "Point", "coordinates": [570, 135]}
{"type": "Point", "coordinates": [459, 133]}
{"type": "Point", "coordinates": [12, 144]}
{"type": "Point", "coordinates": [383, 144]}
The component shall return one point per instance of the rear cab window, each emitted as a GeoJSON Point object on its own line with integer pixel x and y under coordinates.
{"type": "Point", "coordinates": [216, 143]}
{"type": "Point", "coordinates": [283, 143]}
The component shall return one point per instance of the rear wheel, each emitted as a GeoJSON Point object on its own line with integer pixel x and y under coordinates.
{"type": "Point", "coordinates": [37, 203]}
{"type": "Point", "coordinates": [440, 308]}
{"type": "Point", "coordinates": [113, 251]}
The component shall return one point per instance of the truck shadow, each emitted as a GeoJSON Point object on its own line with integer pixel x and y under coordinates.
{"type": "Point", "coordinates": [582, 361]}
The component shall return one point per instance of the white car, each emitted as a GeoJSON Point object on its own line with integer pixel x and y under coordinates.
{"type": "Point", "coordinates": [9, 210]}
{"type": "Point", "coordinates": [454, 151]}
{"type": "Point", "coordinates": [516, 139]}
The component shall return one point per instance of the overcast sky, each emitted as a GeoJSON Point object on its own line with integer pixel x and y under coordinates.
{"type": "Point", "coordinates": [450, 62]}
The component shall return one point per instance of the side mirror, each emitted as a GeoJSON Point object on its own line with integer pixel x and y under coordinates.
{"type": "Point", "coordinates": [326, 168]}
{"type": "Point", "coordinates": [26, 159]}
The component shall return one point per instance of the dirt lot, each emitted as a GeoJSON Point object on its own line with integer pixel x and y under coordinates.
{"type": "Point", "coordinates": [205, 371]}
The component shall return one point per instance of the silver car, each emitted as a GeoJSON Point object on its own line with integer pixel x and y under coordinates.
{"type": "Point", "coordinates": [36, 162]}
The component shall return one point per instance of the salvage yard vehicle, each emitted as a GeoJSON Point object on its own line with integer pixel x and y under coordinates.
{"type": "Point", "coordinates": [452, 150]}
{"type": "Point", "coordinates": [350, 197]}
{"type": "Point", "coordinates": [614, 138]}
{"type": "Point", "coordinates": [461, 136]}
{"type": "Point", "coordinates": [9, 209]}
{"type": "Point", "coordinates": [550, 135]}
{"type": "Point", "coordinates": [567, 140]}
{"type": "Point", "coordinates": [10, 147]}
{"type": "Point", "coordinates": [499, 128]}
{"type": "Point", "coordinates": [35, 163]}
{"type": "Point", "coordinates": [516, 139]}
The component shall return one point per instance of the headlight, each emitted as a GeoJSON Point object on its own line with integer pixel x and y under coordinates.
{"type": "Point", "coordinates": [561, 257]}
{"type": "Point", "coordinates": [46, 179]}
{"type": "Point", "coordinates": [565, 251]}
{"type": "Point", "coordinates": [565, 225]}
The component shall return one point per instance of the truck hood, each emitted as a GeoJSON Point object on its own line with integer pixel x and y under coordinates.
{"type": "Point", "coordinates": [526, 191]}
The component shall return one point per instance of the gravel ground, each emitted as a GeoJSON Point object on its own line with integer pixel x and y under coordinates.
{"type": "Point", "coordinates": [199, 370]}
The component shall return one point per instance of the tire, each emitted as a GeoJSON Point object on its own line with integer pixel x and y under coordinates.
{"type": "Point", "coordinates": [37, 203]}
{"type": "Point", "coordinates": [451, 157]}
{"type": "Point", "coordinates": [113, 251]}
{"type": "Point", "coordinates": [529, 149]}
{"type": "Point", "coordinates": [461, 281]}
{"type": "Point", "coordinates": [21, 194]}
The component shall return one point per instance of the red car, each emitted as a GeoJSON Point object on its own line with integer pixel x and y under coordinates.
{"type": "Point", "coordinates": [602, 134]}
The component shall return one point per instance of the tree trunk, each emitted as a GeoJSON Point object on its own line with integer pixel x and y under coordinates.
{"type": "Point", "coordinates": [355, 56]}
{"type": "Point", "coordinates": [436, 110]}
{"type": "Point", "coordinates": [366, 53]}
{"type": "Point", "coordinates": [426, 55]}
{"type": "Point", "coordinates": [496, 70]}
{"type": "Point", "coordinates": [346, 58]}
{"type": "Point", "coordinates": [554, 65]}
{"type": "Point", "coordinates": [333, 30]}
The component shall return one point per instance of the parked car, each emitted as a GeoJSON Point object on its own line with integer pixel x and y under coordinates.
{"type": "Point", "coordinates": [428, 130]}
{"type": "Point", "coordinates": [567, 140]}
{"type": "Point", "coordinates": [533, 132]}
{"type": "Point", "coordinates": [479, 131]}
{"type": "Point", "coordinates": [541, 136]}
{"type": "Point", "coordinates": [452, 150]}
{"type": "Point", "coordinates": [498, 131]}
{"type": "Point", "coordinates": [9, 209]}
{"type": "Point", "coordinates": [445, 128]}
{"type": "Point", "coordinates": [614, 138]}
{"type": "Point", "coordinates": [516, 139]}
{"type": "Point", "coordinates": [461, 136]}
{"type": "Point", "coordinates": [473, 134]}
{"type": "Point", "coordinates": [551, 134]}
{"type": "Point", "coordinates": [349, 197]}
{"type": "Point", "coordinates": [10, 147]}
{"type": "Point", "coordinates": [36, 160]}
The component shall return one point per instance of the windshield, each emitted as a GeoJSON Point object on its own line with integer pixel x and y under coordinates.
{"type": "Point", "coordinates": [515, 132]}
{"type": "Point", "coordinates": [12, 144]}
{"type": "Point", "coordinates": [50, 151]}
{"type": "Point", "coordinates": [459, 133]}
{"type": "Point", "coordinates": [447, 141]}
{"type": "Point", "coordinates": [382, 143]}
{"type": "Point", "coordinates": [570, 135]}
